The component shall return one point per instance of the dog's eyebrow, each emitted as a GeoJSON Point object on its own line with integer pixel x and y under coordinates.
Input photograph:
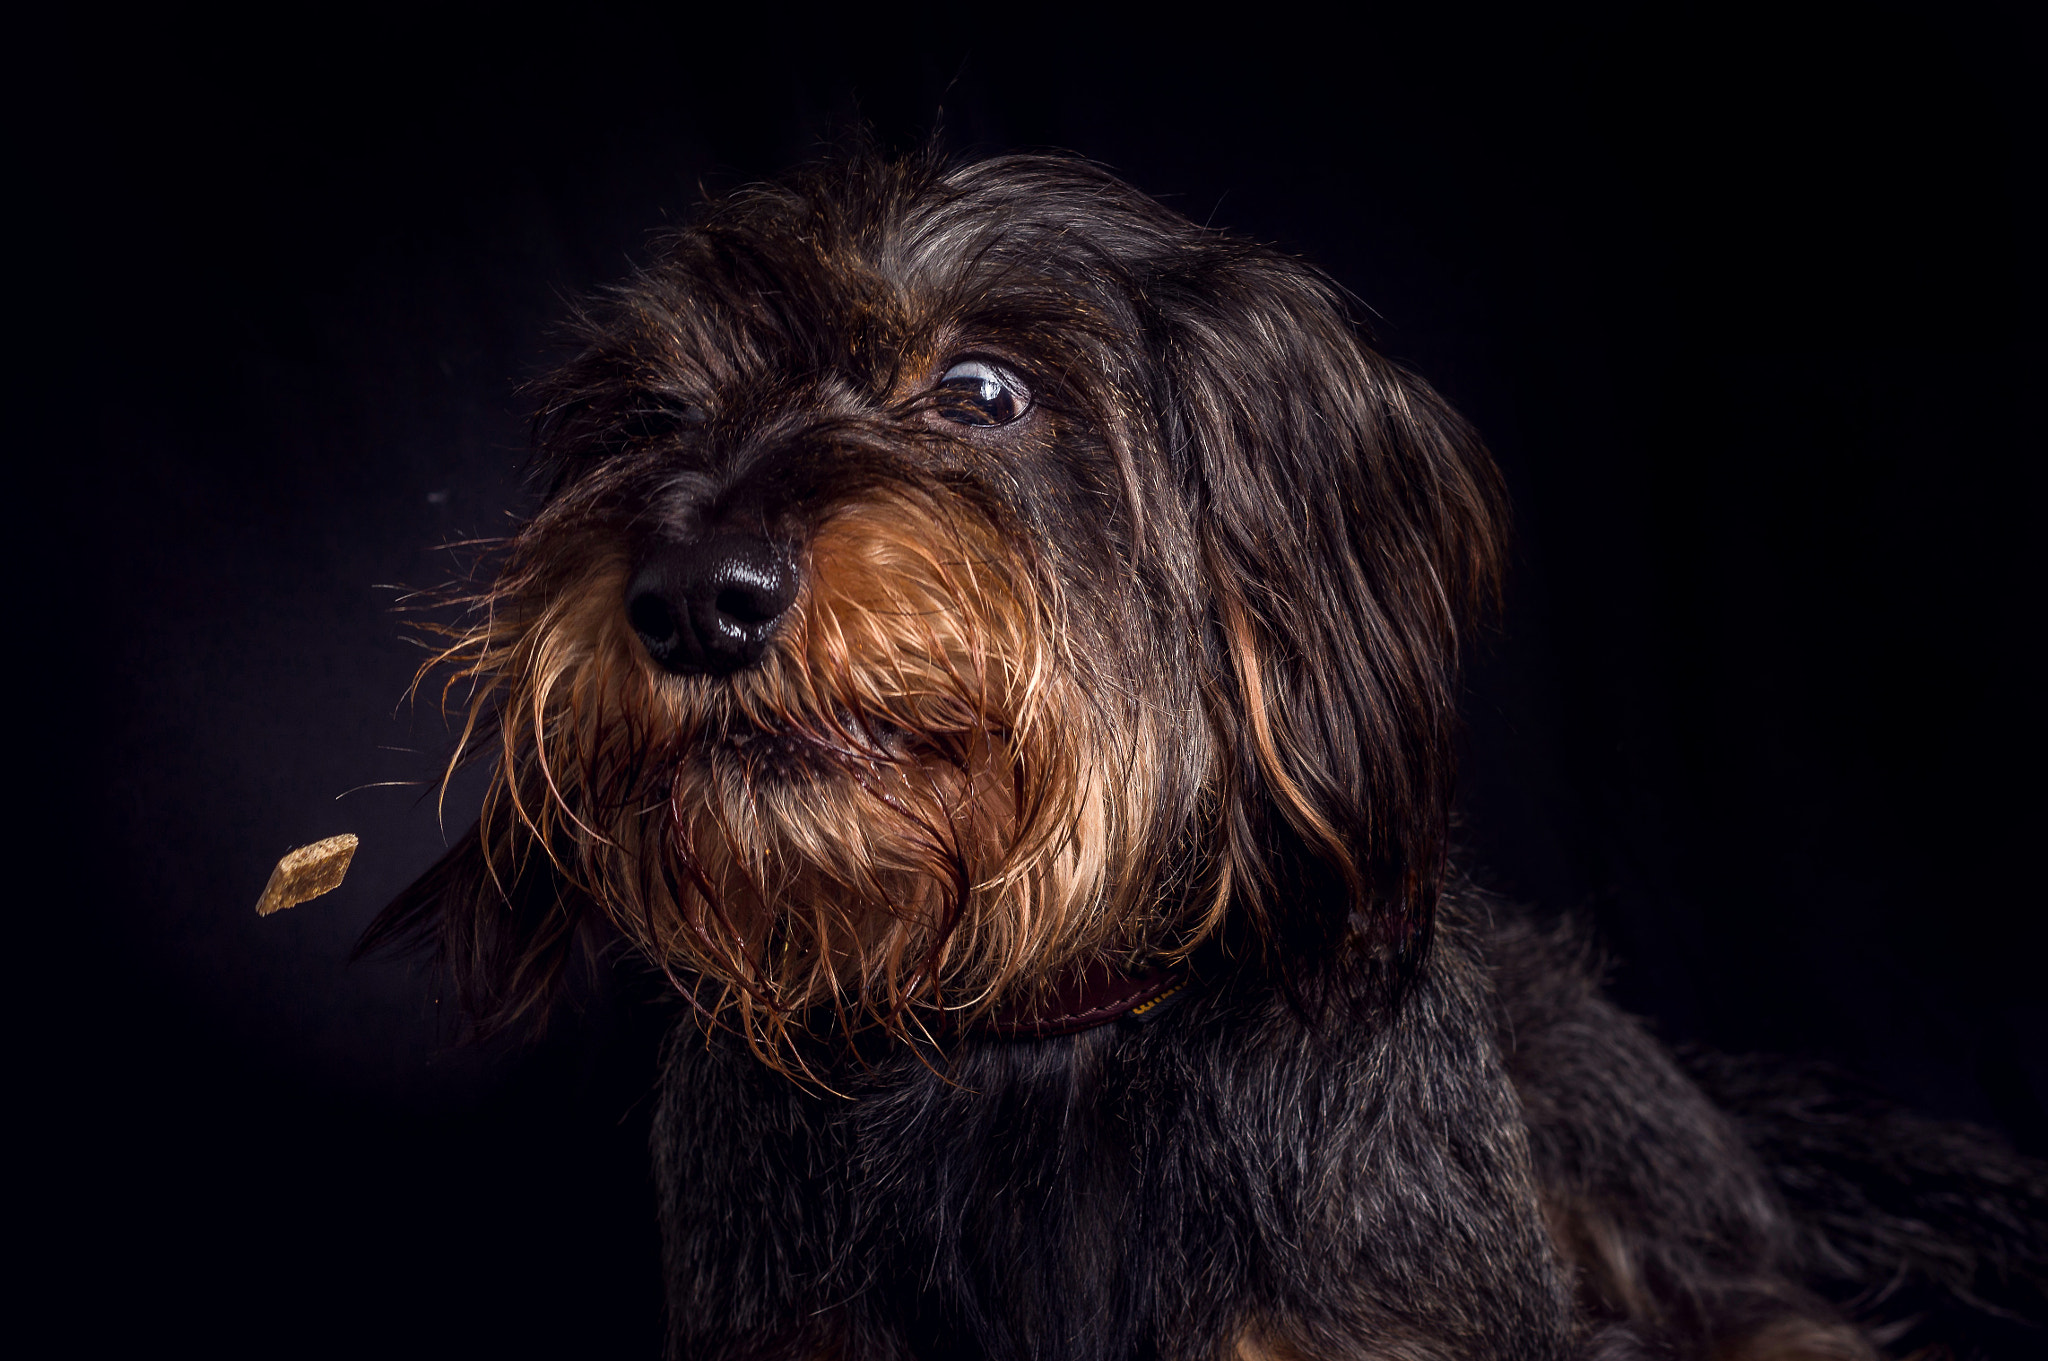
{"type": "Point", "coordinates": [666, 404]}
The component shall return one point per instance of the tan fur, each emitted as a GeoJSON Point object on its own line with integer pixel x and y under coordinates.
{"type": "Point", "coordinates": [1798, 1339]}
{"type": "Point", "coordinates": [1599, 1254]}
{"type": "Point", "coordinates": [907, 808]}
{"type": "Point", "coordinates": [1611, 1281]}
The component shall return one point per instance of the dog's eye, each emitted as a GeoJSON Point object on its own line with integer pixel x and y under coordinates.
{"type": "Point", "coordinates": [974, 392]}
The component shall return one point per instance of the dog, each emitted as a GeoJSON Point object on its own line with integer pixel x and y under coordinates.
{"type": "Point", "coordinates": [992, 643]}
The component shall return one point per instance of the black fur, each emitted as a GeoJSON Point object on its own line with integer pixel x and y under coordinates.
{"type": "Point", "coordinates": [1385, 1119]}
{"type": "Point", "coordinates": [1161, 1188]}
{"type": "Point", "coordinates": [1138, 1190]}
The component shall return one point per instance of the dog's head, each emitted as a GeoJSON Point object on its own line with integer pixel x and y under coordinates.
{"type": "Point", "coordinates": [955, 576]}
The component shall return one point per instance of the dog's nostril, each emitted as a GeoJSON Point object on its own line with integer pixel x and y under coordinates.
{"type": "Point", "coordinates": [710, 605]}
{"type": "Point", "coordinates": [652, 618]}
{"type": "Point", "coordinates": [750, 604]}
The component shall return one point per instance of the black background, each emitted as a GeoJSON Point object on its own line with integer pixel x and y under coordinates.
{"type": "Point", "coordinates": [1744, 301]}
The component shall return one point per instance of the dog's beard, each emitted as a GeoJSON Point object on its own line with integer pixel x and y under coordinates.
{"type": "Point", "coordinates": [906, 811]}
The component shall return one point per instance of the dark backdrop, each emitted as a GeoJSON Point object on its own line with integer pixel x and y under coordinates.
{"type": "Point", "coordinates": [1746, 304]}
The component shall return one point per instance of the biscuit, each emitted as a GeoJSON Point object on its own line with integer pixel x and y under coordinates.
{"type": "Point", "coordinates": [306, 873]}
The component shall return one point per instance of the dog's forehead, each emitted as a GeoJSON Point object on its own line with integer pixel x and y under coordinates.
{"type": "Point", "coordinates": [883, 286]}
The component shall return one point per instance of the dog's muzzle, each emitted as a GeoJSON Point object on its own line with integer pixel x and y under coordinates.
{"type": "Point", "coordinates": [710, 606]}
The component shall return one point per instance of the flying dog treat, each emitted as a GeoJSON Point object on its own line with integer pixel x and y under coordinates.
{"type": "Point", "coordinates": [306, 873]}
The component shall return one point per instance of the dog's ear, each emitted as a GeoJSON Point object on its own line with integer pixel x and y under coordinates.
{"type": "Point", "coordinates": [505, 944]}
{"type": "Point", "coordinates": [1349, 524]}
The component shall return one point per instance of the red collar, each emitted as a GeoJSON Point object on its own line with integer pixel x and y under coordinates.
{"type": "Point", "coordinates": [1085, 999]}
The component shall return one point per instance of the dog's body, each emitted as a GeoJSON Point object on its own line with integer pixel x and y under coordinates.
{"type": "Point", "coordinates": [1512, 1168]}
{"type": "Point", "coordinates": [993, 644]}
{"type": "Point", "coordinates": [1221, 1177]}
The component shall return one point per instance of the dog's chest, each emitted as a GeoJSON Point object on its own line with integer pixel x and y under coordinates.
{"type": "Point", "coordinates": [1009, 1200]}
{"type": "Point", "coordinates": [1129, 1192]}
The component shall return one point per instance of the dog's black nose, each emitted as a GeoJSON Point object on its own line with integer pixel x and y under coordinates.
{"type": "Point", "coordinates": [711, 605]}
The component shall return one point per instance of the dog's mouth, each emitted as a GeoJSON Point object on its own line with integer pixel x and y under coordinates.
{"type": "Point", "coordinates": [957, 786]}
{"type": "Point", "coordinates": [779, 752]}
{"type": "Point", "coordinates": [855, 741]}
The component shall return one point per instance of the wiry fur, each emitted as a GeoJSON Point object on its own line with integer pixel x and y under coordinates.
{"type": "Point", "coordinates": [1160, 674]}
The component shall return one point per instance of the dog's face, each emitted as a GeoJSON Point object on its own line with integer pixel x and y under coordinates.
{"type": "Point", "coordinates": [951, 577]}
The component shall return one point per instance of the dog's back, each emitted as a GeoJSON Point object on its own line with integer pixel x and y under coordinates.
{"type": "Point", "coordinates": [1697, 1193]}
{"type": "Point", "coordinates": [1935, 1231]}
